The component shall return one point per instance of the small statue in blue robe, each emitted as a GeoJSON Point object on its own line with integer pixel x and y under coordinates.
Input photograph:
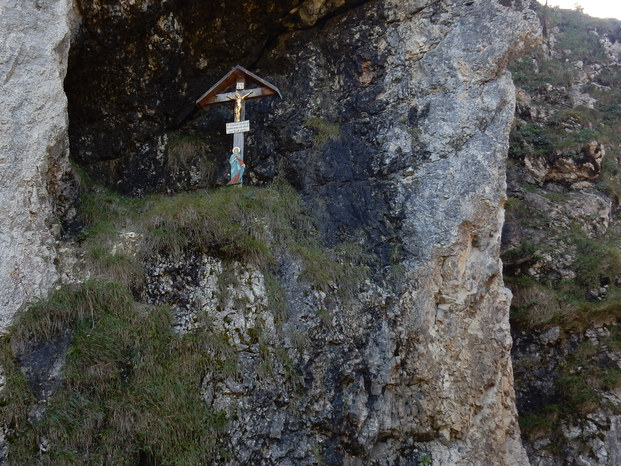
{"type": "Point", "coordinates": [237, 167]}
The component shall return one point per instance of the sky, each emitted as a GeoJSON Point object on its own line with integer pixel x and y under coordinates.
{"type": "Point", "coordinates": [597, 8]}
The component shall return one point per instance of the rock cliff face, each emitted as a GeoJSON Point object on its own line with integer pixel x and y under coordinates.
{"type": "Point", "coordinates": [33, 146]}
{"type": "Point", "coordinates": [394, 128]}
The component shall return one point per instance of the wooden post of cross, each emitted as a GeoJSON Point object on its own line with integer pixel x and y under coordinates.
{"type": "Point", "coordinates": [233, 87]}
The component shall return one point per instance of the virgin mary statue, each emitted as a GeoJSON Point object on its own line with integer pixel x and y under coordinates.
{"type": "Point", "coordinates": [237, 167]}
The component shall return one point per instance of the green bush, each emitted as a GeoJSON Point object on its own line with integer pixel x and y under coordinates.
{"type": "Point", "coordinates": [598, 261]}
{"type": "Point", "coordinates": [324, 130]}
{"type": "Point", "coordinates": [541, 424]}
{"type": "Point", "coordinates": [529, 138]}
{"type": "Point", "coordinates": [584, 135]}
{"type": "Point", "coordinates": [551, 72]}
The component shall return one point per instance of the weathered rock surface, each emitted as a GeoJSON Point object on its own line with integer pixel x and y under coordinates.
{"type": "Point", "coordinates": [33, 146]}
{"type": "Point", "coordinates": [585, 167]}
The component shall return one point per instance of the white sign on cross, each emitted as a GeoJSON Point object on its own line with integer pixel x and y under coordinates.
{"type": "Point", "coordinates": [238, 127]}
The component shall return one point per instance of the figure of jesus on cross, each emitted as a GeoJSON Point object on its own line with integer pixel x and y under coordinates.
{"type": "Point", "coordinates": [238, 104]}
{"type": "Point", "coordinates": [220, 93]}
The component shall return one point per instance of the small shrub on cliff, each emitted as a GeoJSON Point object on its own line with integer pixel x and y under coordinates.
{"type": "Point", "coordinates": [342, 268]}
{"type": "Point", "coordinates": [587, 371]}
{"type": "Point", "coordinates": [529, 138]}
{"type": "Point", "coordinates": [598, 262]}
{"type": "Point", "coordinates": [543, 424]}
{"type": "Point", "coordinates": [324, 130]}
{"type": "Point", "coordinates": [534, 303]}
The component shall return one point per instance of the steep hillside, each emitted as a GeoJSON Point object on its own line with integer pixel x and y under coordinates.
{"type": "Point", "coordinates": [562, 240]}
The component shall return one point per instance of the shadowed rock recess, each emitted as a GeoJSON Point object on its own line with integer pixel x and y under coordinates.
{"type": "Point", "coordinates": [393, 128]}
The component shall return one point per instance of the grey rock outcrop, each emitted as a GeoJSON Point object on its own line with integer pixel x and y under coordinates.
{"type": "Point", "coordinates": [453, 215]}
{"type": "Point", "coordinates": [33, 145]}
{"type": "Point", "coordinates": [567, 170]}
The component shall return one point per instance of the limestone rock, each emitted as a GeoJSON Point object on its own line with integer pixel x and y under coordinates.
{"type": "Point", "coordinates": [566, 169]}
{"type": "Point", "coordinates": [309, 11]}
{"type": "Point", "coordinates": [33, 146]}
{"type": "Point", "coordinates": [423, 115]}
{"type": "Point", "coordinates": [395, 123]}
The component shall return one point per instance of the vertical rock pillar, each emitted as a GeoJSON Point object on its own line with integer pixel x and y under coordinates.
{"type": "Point", "coordinates": [35, 38]}
{"type": "Point", "coordinates": [455, 310]}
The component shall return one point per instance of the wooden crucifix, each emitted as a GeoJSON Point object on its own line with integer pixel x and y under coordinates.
{"type": "Point", "coordinates": [234, 88]}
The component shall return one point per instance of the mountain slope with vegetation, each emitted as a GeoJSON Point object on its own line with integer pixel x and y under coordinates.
{"type": "Point", "coordinates": [562, 240]}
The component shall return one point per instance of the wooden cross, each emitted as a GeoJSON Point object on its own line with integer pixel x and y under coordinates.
{"type": "Point", "coordinates": [223, 92]}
